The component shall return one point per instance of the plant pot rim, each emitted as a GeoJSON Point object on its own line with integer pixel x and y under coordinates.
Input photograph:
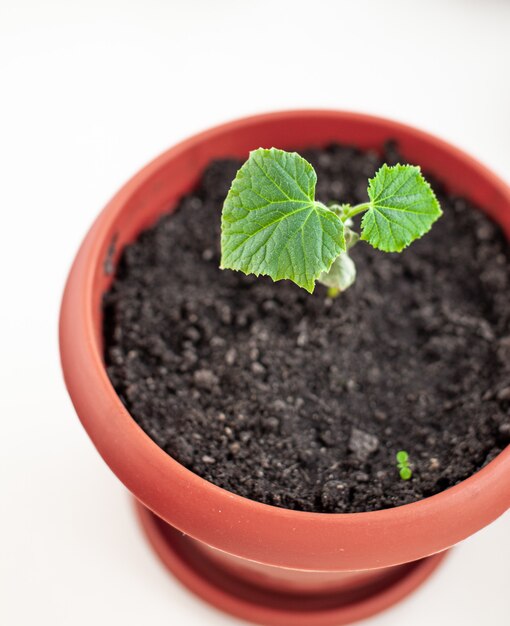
{"type": "Point", "coordinates": [225, 520]}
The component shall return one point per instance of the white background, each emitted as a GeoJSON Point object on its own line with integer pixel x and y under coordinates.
{"type": "Point", "coordinates": [90, 91]}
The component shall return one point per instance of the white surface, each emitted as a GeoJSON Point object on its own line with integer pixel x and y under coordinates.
{"type": "Point", "coordinates": [90, 91]}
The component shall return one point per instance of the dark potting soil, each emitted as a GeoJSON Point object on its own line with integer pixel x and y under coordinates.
{"type": "Point", "coordinates": [302, 401]}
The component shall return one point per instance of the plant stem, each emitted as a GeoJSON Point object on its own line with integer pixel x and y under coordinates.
{"type": "Point", "coordinates": [359, 208]}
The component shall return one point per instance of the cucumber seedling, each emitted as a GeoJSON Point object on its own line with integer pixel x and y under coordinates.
{"type": "Point", "coordinates": [403, 465]}
{"type": "Point", "coordinates": [272, 224]}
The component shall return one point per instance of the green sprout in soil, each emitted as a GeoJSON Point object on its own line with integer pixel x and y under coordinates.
{"type": "Point", "coordinates": [272, 225]}
{"type": "Point", "coordinates": [403, 465]}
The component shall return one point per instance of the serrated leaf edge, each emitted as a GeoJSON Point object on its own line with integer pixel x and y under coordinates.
{"type": "Point", "coordinates": [309, 286]}
{"type": "Point", "coordinates": [385, 167]}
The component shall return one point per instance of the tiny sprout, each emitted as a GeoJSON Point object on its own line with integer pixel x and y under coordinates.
{"type": "Point", "coordinates": [403, 465]}
{"type": "Point", "coordinates": [272, 224]}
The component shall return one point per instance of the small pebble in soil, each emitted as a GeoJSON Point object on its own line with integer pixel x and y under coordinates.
{"type": "Point", "coordinates": [205, 379]}
{"type": "Point", "coordinates": [362, 444]}
{"type": "Point", "coordinates": [434, 464]}
{"type": "Point", "coordinates": [503, 394]}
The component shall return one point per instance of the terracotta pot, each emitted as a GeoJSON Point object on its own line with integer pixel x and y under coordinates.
{"type": "Point", "coordinates": [263, 563]}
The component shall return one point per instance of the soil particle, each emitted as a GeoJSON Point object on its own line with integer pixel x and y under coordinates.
{"type": "Point", "coordinates": [303, 401]}
{"type": "Point", "coordinates": [362, 444]}
{"type": "Point", "coordinates": [504, 433]}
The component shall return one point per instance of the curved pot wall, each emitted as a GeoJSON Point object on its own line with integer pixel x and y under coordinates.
{"type": "Point", "coordinates": [239, 530]}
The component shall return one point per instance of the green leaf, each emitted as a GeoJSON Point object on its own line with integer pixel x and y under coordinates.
{"type": "Point", "coordinates": [402, 456]}
{"type": "Point", "coordinates": [272, 225]}
{"type": "Point", "coordinates": [403, 207]}
{"type": "Point", "coordinates": [405, 473]}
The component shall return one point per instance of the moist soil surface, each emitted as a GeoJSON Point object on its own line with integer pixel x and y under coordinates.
{"type": "Point", "coordinates": [302, 401]}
